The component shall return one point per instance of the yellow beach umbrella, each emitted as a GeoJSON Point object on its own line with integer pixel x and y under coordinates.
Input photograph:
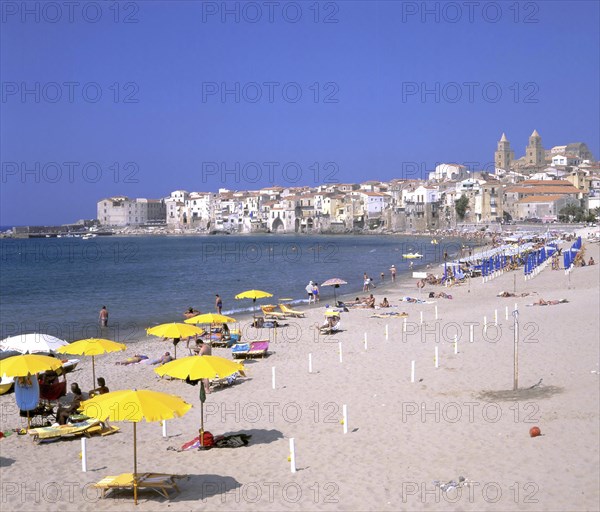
{"type": "Point", "coordinates": [253, 294]}
{"type": "Point", "coordinates": [135, 406]}
{"type": "Point", "coordinates": [28, 364]}
{"type": "Point", "coordinates": [174, 330]}
{"type": "Point", "coordinates": [92, 347]}
{"type": "Point", "coordinates": [210, 318]}
{"type": "Point", "coordinates": [201, 367]}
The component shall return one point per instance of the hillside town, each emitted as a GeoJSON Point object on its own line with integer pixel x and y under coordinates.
{"type": "Point", "coordinates": [536, 187]}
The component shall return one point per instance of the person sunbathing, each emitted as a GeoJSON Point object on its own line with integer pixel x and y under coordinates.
{"type": "Point", "coordinates": [163, 359]}
{"type": "Point", "coordinates": [136, 358]}
{"type": "Point", "coordinates": [543, 302]}
{"type": "Point", "coordinates": [101, 389]}
{"type": "Point", "coordinates": [510, 294]}
{"type": "Point", "coordinates": [63, 413]}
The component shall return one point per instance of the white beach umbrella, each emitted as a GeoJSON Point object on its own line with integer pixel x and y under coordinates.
{"type": "Point", "coordinates": [32, 343]}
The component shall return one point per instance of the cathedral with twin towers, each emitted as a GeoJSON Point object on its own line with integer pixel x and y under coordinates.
{"type": "Point", "coordinates": [536, 158]}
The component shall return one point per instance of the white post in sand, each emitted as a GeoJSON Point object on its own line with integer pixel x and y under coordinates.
{"type": "Point", "coordinates": [404, 325]}
{"type": "Point", "coordinates": [471, 333]}
{"type": "Point", "coordinates": [292, 456]}
{"type": "Point", "coordinates": [436, 313]}
{"type": "Point", "coordinates": [456, 344]}
{"type": "Point", "coordinates": [340, 345]}
{"type": "Point", "coordinates": [421, 317]}
{"type": "Point", "coordinates": [386, 332]}
{"type": "Point", "coordinates": [164, 428]}
{"type": "Point", "coordinates": [273, 376]}
{"type": "Point", "coordinates": [485, 323]}
{"type": "Point", "coordinates": [436, 360]}
{"type": "Point", "coordinates": [83, 455]}
{"type": "Point", "coordinates": [345, 418]}
{"type": "Point", "coordinates": [412, 371]}
{"type": "Point", "coordinates": [309, 363]}
{"type": "Point", "coordinates": [516, 345]}
{"type": "Point", "coordinates": [506, 312]}
{"type": "Point", "coordinates": [496, 316]}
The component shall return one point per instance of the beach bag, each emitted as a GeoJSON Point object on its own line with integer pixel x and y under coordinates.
{"type": "Point", "coordinates": [208, 439]}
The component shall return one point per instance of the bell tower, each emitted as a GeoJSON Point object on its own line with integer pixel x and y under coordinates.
{"type": "Point", "coordinates": [504, 156]}
{"type": "Point", "coordinates": [534, 152]}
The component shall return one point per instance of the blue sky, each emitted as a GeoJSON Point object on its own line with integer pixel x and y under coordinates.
{"type": "Point", "coordinates": [103, 99]}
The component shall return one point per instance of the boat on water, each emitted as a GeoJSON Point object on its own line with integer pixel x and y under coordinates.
{"type": "Point", "coordinates": [6, 384]}
{"type": "Point", "coordinates": [434, 241]}
{"type": "Point", "coordinates": [412, 256]}
{"type": "Point", "coordinates": [88, 236]}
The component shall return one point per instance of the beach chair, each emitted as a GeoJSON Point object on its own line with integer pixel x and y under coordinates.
{"type": "Point", "coordinates": [330, 330]}
{"type": "Point", "coordinates": [86, 428]}
{"type": "Point", "coordinates": [292, 312]}
{"type": "Point", "coordinates": [269, 312]}
{"type": "Point", "coordinates": [252, 349]}
{"type": "Point", "coordinates": [159, 482]}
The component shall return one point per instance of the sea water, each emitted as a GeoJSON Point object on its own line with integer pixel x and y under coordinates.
{"type": "Point", "coordinates": [58, 285]}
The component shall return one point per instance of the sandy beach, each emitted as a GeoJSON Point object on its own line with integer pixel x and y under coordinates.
{"type": "Point", "coordinates": [461, 419]}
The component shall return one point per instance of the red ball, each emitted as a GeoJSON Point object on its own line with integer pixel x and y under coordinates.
{"type": "Point", "coordinates": [535, 431]}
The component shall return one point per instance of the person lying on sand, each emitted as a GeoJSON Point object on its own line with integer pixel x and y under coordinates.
{"type": "Point", "coordinates": [165, 358]}
{"type": "Point", "coordinates": [509, 294]}
{"type": "Point", "coordinates": [543, 302]}
{"type": "Point", "coordinates": [136, 358]}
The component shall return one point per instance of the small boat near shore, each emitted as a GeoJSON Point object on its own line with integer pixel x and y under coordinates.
{"type": "Point", "coordinates": [412, 256]}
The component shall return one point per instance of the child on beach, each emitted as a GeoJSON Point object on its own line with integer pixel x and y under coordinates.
{"type": "Point", "coordinates": [316, 297]}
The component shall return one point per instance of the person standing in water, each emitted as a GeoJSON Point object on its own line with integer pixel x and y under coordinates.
{"type": "Point", "coordinates": [103, 317]}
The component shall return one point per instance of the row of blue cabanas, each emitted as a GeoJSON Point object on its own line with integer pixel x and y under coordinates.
{"type": "Point", "coordinates": [494, 260]}
{"type": "Point", "coordinates": [538, 257]}
{"type": "Point", "coordinates": [569, 256]}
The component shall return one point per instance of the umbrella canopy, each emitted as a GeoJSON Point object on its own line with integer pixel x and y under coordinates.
{"type": "Point", "coordinates": [204, 367]}
{"type": "Point", "coordinates": [335, 282]}
{"type": "Point", "coordinates": [174, 330]}
{"type": "Point", "coordinates": [210, 318]}
{"type": "Point", "coordinates": [28, 364]}
{"type": "Point", "coordinates": [92, 347]}
{"type": "Point", "coordinates": [32, 343]}
{"type": "Point", "coordinates": [253, 294]}
{"type": "Point", "coordinates": [134, 406]}
{"type": "Point", "coordinates": [201, 367]}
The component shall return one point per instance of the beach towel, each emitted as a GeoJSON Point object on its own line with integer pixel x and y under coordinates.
{"type": "Point", "coordinates": [27, 393]}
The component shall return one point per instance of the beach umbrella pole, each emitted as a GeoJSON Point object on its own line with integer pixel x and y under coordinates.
{"type": "Point", "coordinates": [134, 464]}
{"type": "Point", "coordinates": [202, 400]}
{"type": "Point", "coordinates": [93, 374]}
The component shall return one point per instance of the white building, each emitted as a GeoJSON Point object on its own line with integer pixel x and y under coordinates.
{"type": "Point", "coordinates": [122, 211]}
{"type": "Point", "coordinates": [449, 172]}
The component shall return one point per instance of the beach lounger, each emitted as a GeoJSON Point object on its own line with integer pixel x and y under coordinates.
{"type": "Point", "coordinates": [159, 482]}
{"type": "Point", "coordinates": [269, 312]}
{"type": "Point", "coordinates": [292, 312]}
{"type": "Point", "coordinates": [86, 428]}
{"type": "Point", "coordinates": [252, 349]}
